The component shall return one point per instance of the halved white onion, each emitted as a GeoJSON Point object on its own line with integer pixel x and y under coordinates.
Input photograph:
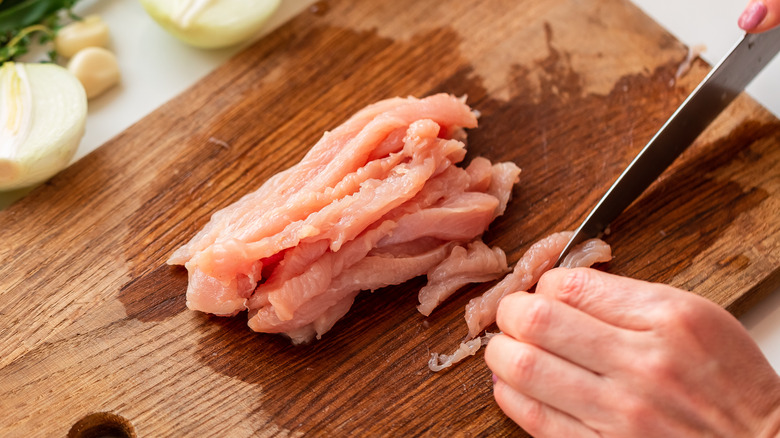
{"type": "Point", "coordinates": [43, 112]}
{"type": "Point", "coordinates": [211, 23]}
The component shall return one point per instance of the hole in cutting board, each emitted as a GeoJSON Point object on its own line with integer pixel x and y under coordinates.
{"type": "Point", "coordinates": [102, 425]}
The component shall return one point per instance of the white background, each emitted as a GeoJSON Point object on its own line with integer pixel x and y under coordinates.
{"type": "Point", "coordinates": [156, 67]}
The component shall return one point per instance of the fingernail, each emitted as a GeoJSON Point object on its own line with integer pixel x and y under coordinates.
{"type": "Point", "coordinates": [495, 379]}
{"type": "Point", "coordinates": [753, 16]}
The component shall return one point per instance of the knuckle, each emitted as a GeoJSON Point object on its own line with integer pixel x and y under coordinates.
{"type": "Point", "coordinates": [666, 318]}
{"type": "Point", "coordinates": [575, 282]}
{"type": "Point", "coordinates": [523, 363]}
{"type": "Point", "coordinates": [536, 318]}
{"type": "Point", "coordinates": [529, 413]}
{"type": "Point", "coordinates": [658, 367]}
{"type": "Point", "coordinates": [689, 310]}
{"type": "Point", "coordinates": [533, 416]}
{"type": "Point", "coordinates": [679, 314]}
{"type": "Point", "coordinates": [635, 410]}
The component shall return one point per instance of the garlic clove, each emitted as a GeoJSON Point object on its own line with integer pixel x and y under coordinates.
{"type": "Point", "coordinates": [89, 32]}
{"type": "Point", "coordinates": [96, 68]}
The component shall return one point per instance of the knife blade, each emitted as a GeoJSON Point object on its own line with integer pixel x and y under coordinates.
{"type": "Point", "coordinates": [718, 89]}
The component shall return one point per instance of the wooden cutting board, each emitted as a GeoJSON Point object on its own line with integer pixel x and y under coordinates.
{"type": "Point", "coordinates": [92, 320]}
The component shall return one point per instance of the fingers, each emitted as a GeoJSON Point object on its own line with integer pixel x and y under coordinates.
{"type": "Point", "coordinates": [547, 378]}
{"type": "Point", "coordinates": [538, 419]}
{"type": "Point", "coordinates": [760, 16]}
{"type": "Point", "coordinates": [562, 330]}
{"type": "Point", "coordinates": [619, 301]}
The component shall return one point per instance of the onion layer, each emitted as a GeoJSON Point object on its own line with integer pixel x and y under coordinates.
{"type": "Point", "coordinates": [43, 111]}
{"type": "Point", "coordinates": [211, 23]}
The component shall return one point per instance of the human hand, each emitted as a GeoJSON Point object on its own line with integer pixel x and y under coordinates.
{"type": "Point", "coordinates": [760, 15]}
{"type": "Point", "coordinates": [597, 355]}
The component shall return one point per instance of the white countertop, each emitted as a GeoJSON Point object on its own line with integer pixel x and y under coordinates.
{"type": "Point", "coordinates": [156, 67]}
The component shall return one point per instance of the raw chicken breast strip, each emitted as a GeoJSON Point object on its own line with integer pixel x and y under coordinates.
{"type": "Point", "coordinates": [476, 264]}
{"type": "Point", "coordinates": [588, 253]}
{"type": "Point", "coordinates": [541, 256]}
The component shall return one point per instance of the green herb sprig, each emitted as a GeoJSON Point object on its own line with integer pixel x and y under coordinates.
{"type": "Point", "coordinates": [23, 22]}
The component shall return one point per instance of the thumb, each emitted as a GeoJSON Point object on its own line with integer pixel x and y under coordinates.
{"type": "Point", "coordinates": [760, 16]}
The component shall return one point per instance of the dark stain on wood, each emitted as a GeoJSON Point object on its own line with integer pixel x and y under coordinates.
{"type": "Point", "coordinates": [565, 136]}
{"type": "Point", "coordinates": [156, 295]}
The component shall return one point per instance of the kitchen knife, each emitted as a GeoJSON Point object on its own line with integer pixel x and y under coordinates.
{"type": "Point", "coordinates": [721, 86]}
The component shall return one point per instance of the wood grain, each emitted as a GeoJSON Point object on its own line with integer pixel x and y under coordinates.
{"type": "Point", "coordinates": [92, 320]}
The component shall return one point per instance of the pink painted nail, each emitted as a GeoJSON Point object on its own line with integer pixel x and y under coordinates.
{"type": "Point", "coordinates": [753, 16]}
{"type": "Point", "coordinates": [495, 379]}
